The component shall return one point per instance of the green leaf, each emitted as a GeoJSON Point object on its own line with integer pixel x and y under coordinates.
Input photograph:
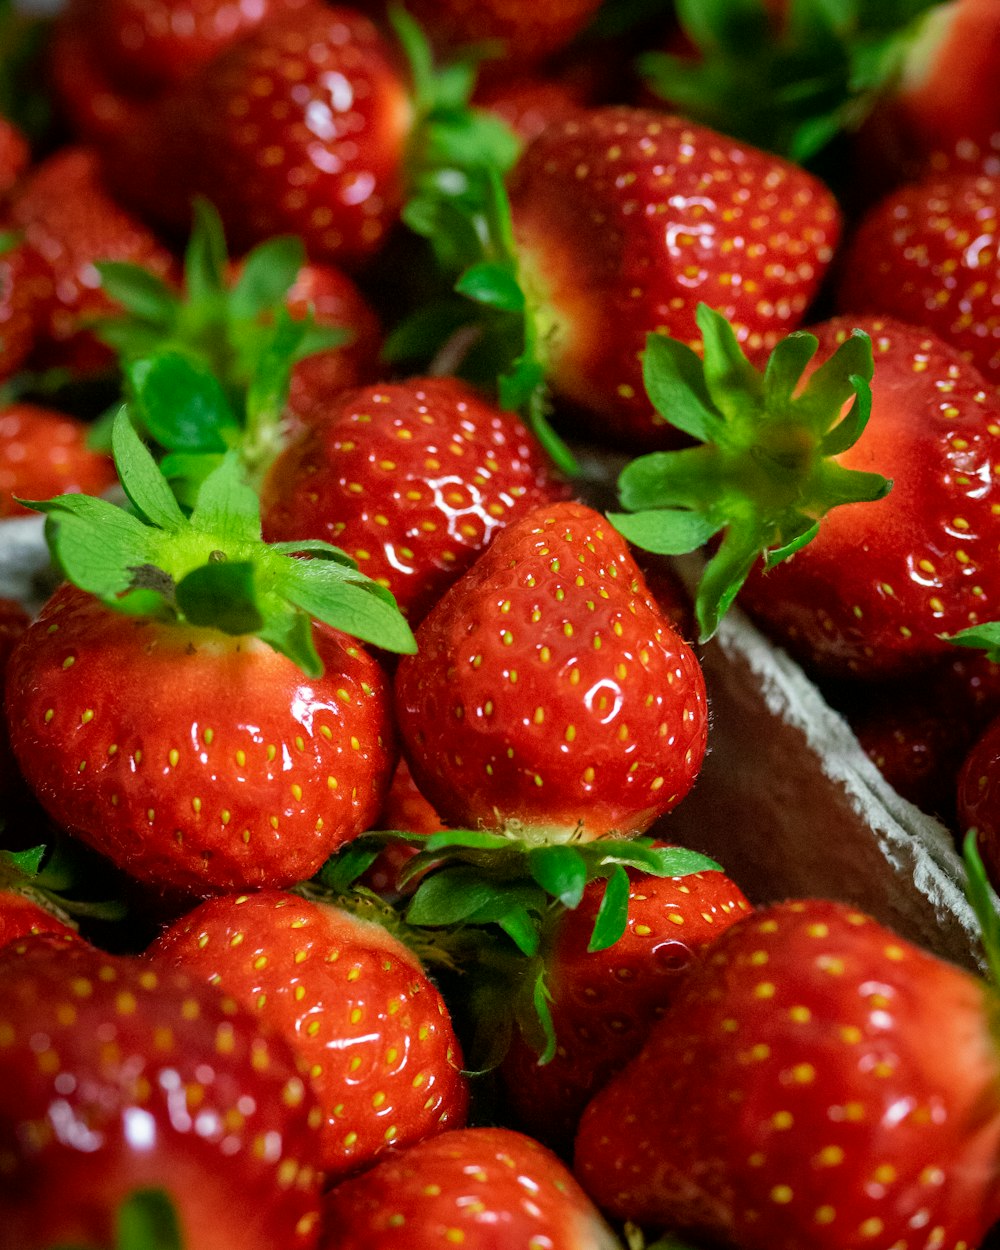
{"type": "Point", "coordinates": [179, 400]}
{"type": "Point", "coordinates": [520, 927]}
{"type": "Point", "coordinates": [725, 573]}
{"type": "Point", "coordinates": [852, 426]}
{"type": "Point", "coordinates": [290, 633]}
{"type": "Point", "coordinates": [268, 273]}
{"type": "Point", "coordinates": [983, 901]}
{"type": "Point", "coordinates": [449, 897]}
{"type": "Point", "coordinates": [540, 1001]}
{"type": "Point", "coordinates": [475, 839]}
{"type": "Point", "coordinates": [837, 380]}
{"type": "Point", "coordinates": [147, 489]}
{"type": "Point", "coordinates": [985, 637]}
{"type": "Point", "coordinates": [223, 595]}
{"type": "Point", "coordinates": [492, 284]}
{"type": "Point", "coordinates": [143, 294]}
{"type": "Point", "coordinates": [560, 871]}
{"type": "Point", "coordinates": [206, 257]}
{"type": "Point", "coordinates": [666, 531]}
{"type": "Point", "coordinates": [731, 380]}
{"type": "Point", "coordinates": [662, 861]}
{"type": "Point", "coordinates": [148, 1221]}
{"type": "Point", "coordinates": [352, 861]}
{"type": "Point", "coordinates": [785, 367]}
{"type": "Point", "coordinates": [674, 378]}
{"type": "Point", "coordinates": [505, 900]}
{"type": "Point", "coordinates": [612, 915]}
{"type": "Point", "coordinates": [347, 601]}
{"type": "Point", "coordinates": [227, 505]}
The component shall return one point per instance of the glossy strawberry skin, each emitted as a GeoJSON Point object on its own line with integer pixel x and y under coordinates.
{"type": "Point", "coordinates": [45, 453]}
{"type": "Point", "coordinates": [118, 1076]}
{"type": "Point", "coordinates": [874, 591]}
{"type": "Point", "coordinates": [70, 220]}
{"type": "Point", "coordinates": [549, 694]}
{"type": "Point", "coordinates": [22, 916]}
{"type": "Point", "coordinates": [605, 1002]}
{"type": "Point", "coordinates": [193, 759]}
{"type": "Point", "coordinates": [818, 1083]}
{"type": "Point", "coordinates": [299, 127]}
{"type": "Point", "coordinates": [413, 479]}
{"type": "Point", "coordinates": [927, 254]}
{"type": "Point", "coordinates": [482, 1188]}
{"type": "Point", "coordinates": [624, 219]}
{"type": "Point", "coordinates": [371, 1028]}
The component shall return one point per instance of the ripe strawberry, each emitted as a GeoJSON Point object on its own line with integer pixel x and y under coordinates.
{"type": "Point", "coordinates": [928, 254]}
{"type": "Point", "coordinates": [624, 219]}
{"type": "Point", "coordinates": [881, 582]}
{"type": "Point", "coordinates": [413, 479]}
{"type": "Point", "coordinates": [371, 1028]}
{"type": "Point", "coordinates": [25, 296]}
{"type": "Point", "coordinates": [604, 1002]}
{"type": "Point", "coordinates": [118, 1076]}
{"type": "Point", "coordinates": [14, 155]}
{"type": "Point", "coordinates": [14, 620]}
{"type": "Point", "coordinates": [817, 1083]}
{"type": "Point", "coordinates": [482, 1188]}
{"type": "Point", "coordinates": [43, 453]}
{"type": "Point", "coordinates": [22, 916]}
{"type": "Point", "coordinates": [530, 103]}
{"type": "Point", "coordinates": [298, 127]}
{"type": "Point", "coordinates": [209, 743]}
{"type": "Point", "coordinates": [549, 694]}
{"type": "Point", "coordinates": [69, 221]}
{"type": "Point", "coordinates": [977, 791]}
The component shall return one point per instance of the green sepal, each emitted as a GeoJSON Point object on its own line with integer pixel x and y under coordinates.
{"type": "Point", "coordinates": [560, 871]}
{"type": "Point", "coordinates": [612, 915]}
{"type": "Point", "coordinates": [205, 257]}
{"type": "Point", "coordinates": [984, 637]}
{"type": "Point", "coordinates": [763, 473]}
{"type": "Point", "coordinates": [492, 284]}
{"type": "Point", "coordinates": [347, 600]}
{"type": "Point", "coordinates": [143, 483]}
{"type": "Point", "coordinates": [180, 401]}
{"type": "Point", "coordinates": [984, 903]}
{"type": "Point", "coordinates": [143, 294]}
{"type": "Point", "coordinates": [146, 1220]}
{"type": "Point", "coordinates": [267, 275]}
{"type": "Point", "coordinates": [222, 595]}
{"type": "Point", "coordinates": [450, 896]}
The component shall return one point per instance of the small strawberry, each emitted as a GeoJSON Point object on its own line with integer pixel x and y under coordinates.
{"type": "Point", "coordinates": [605, 999]}
{"type": "Point", "coordinates": [414, 479]}
{"type": "Point", "coordinates": [118, 1076]}
{"type": "Point", "coordinates": [928, 254]}
{"type": "Point", "coordinates": [69, 221]}
{"type": "Point", "coordinates": [481, 1188]}
{"type": "Point", "coordinates": [818, 1082]}
{"type": "Point", "coordinates": [297, 127]}
{"type": "Point", "coordinates": [371, 1028]}
{"type": "Point", "coordinates": [549, 694]}
{"type": "Point", "coordinates": [43, 453]}
{"type": "Point", "coordinates": [202, 735]}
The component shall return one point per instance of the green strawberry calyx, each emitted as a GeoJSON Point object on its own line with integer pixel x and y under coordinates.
{"type": "Point", "coordinates": [471, 883]}
{"type": "Point", "coordinates": [788, 83]}
{"type": "Point", "coordinates": [52, 875]}
{"type": "Point", "coordinates": [763, 471]}
{"type": "Point", "coordinates": [211, 568]}
{"type": "Point", "coordinates": [146, 1220]}
{"type": "Point", "coordinates": [233, 330]}
{"type": "Point", "coordinates": [457, 201]}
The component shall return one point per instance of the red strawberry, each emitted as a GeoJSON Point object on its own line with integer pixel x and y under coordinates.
{"type": "Point", "coordinates": [372, 1030]}
{"type": "Point", "coordinates": [604, 1002]}
{"type": "Point", "coordinates": [118, 1076]}
{"type": "Point", "coordinates": [481, 1188]}
{"type": "Point", "coordinates": [298, 127]}
{"type": "Point", "coordinates": [70, 221]}
{"type": "Point", "coordinates": [625, 218]}
{"type": "Point", "coordinates": [882, 581]}
{"type": "Point", "coordinates": [22, 916]}
{"type": "Point", "coordinates": [214, 741]}
{"type": "Point", "coordinates": [529, 104]}
{"type": "Point", "coordinates": [14, 155]}
{"type": "Point", "coordinates": [413, 479]}
{"type": "Point", "coordinates": [26, 289]}
{"type": "Point", "coordinates": [928, 254]}
{"type": "Point", "coordinates": [977, 796]}
{"type": "Point", "coordinates": [817, 1083]}
{"type": "Point", "coordinates": [549, 694]}
{"type": "Point", "coordinates": [521, 33]}
{"type": "Point", "coordinates": [43, 453]}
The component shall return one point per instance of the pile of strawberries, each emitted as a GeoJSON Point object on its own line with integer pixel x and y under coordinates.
{"type": "Point", "coordinates": [368, 366]}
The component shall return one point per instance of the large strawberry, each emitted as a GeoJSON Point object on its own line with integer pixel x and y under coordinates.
{"type": "Point", "coordinates": [413, 479]}
{"type": "Point", "coordinates": [604, 999]}
{"type": "Point", "coordinates": [817, 1083]}
{"type": "Point", "coordinates": [928, 254]}
{"type": "Point", "coordinates": [117, 1076]}
{"type": "Point", "coordinates": [372, 1030]}
{"type": "Point", "coordinates": [623, 219]}
{"type": "Point", "coordinates": [481, 1188]}
{"type": "Point", "coordinates": [203, 736]}
{"type": "Point", "coordinates": [549, 695]}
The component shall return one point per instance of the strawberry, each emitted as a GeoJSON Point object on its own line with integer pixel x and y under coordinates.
{"type": "Point", "coordinates": [22, 916]}
{"type": "Point", "coordinates": [202, 737]}
{"type": "Point", "coordinates": [297, 127]}
{"type": "Point", "coordinates": [26, 289]}
{"type": "Point", "coordinates": [603, 1002]}
{"type": "Point", "coordinates": [14, 155]}
{"type": "Point", "coordinates": [371, 1028]}
{"type": "Point", "coordinates": [69, 221]}
{"type": "Point", "coordinates": [623, 219]}
{"type": "Point", "coordinates": [413, 479]}
{"type": "Point", "coordinates": [549, 694]}
{"type": "Point", "coordinates": [818, 1082]}
{"type": "Point", "coordinates": [44, 452]}
{"type": "Point", "coordinates": [530, 103]}
{"type": "Point", "coordinates": [481, 1188]}
{"type": "Point", "coordinates": [118, 1076]}
{"type": "Point", "coordinates": [927, 254]}
{"type": "Point", "coordinates": [14, 620]}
